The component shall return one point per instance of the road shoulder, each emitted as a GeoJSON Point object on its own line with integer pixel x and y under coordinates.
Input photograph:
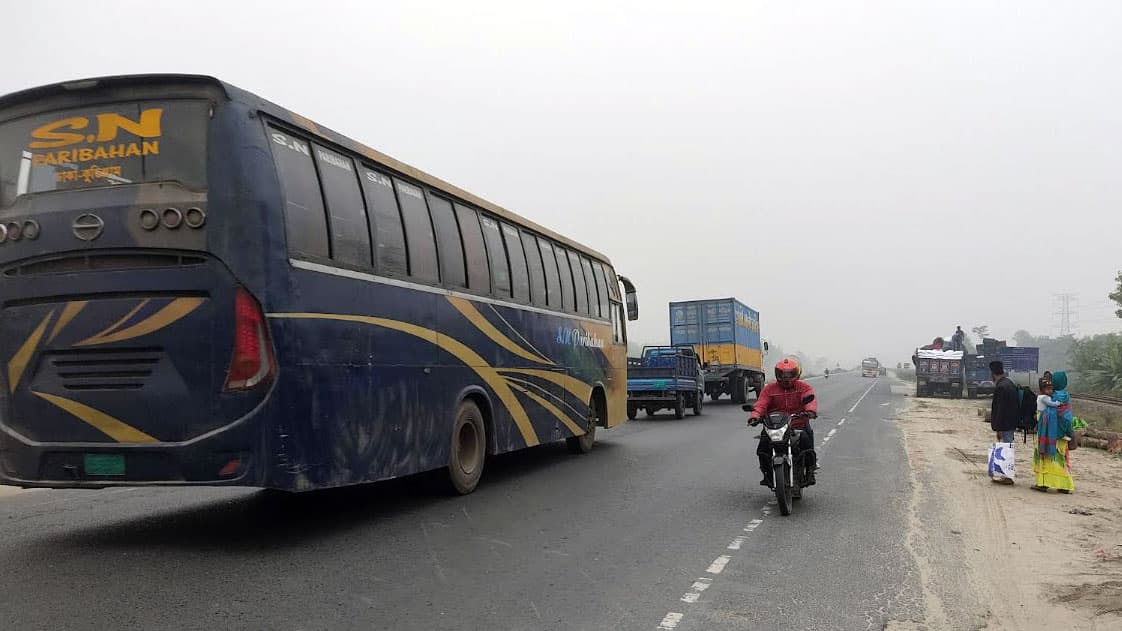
{"type": "Point", "coordinates": [1006, 557]}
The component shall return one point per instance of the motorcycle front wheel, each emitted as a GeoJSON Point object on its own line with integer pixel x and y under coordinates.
{"type": "Point", "coordinates": [782, 477]}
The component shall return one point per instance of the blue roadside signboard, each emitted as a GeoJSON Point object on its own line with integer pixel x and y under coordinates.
{"type": "Point", "coordinates": [1020, 358]}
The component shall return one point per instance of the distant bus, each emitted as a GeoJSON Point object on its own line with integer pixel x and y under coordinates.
{"type": "Point", "coordinates": [870, 367]}
{"type": "Point", "coordinates": [202, 288]}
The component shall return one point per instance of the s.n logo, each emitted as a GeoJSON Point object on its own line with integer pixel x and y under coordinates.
{"type": "Point", "coordinates": [76, 129]}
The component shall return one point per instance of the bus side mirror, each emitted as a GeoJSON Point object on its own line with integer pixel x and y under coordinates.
{"type": "Point", "coordinates": [631, 298]}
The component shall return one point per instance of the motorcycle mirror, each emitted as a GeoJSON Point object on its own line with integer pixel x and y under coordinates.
{"type": "Point", "coordinates": [747, 407]}
{"type": "Point", "coordinates": [808, 398]}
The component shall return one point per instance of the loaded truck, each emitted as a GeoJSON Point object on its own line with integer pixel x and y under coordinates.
{"type": "Point", "coordinates": [939, 372]}
{"type": "Point", "coordinates": [665, 377]}
{"type": "Point", "coordinates": [870, 367]}
{"type": "Point", "coordinates": [979, 380]}
{"type": "Point", "coordinates": [725, 334]}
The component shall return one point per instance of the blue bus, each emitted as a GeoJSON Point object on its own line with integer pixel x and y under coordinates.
{"type": "Point", "coordinates": [200, 287]}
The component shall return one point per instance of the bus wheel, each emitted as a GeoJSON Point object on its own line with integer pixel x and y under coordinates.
{"type": "Point", "coordinates": [583, 444]}
{"type": "Point", "coordinates": [469, 448]}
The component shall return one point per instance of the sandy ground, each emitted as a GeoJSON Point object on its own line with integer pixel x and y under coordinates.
{"type": "Point", "coordinates": [6, 491]}
{"type": "Point", "coordinates": [1006, 557]}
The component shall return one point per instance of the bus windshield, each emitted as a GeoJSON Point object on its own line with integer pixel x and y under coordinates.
{"type": "Point", "coordinates": [104, 145]}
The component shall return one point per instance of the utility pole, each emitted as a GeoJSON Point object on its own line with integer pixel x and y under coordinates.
{"type": "Point", "coordinates": [1066, 312]}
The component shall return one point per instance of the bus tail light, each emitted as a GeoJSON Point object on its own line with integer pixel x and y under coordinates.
{"type": "Point", "coordinates": [253, 362]}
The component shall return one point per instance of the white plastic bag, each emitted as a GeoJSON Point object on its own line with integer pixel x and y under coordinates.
{"type": "Point", "coordinates": [1002, 465]}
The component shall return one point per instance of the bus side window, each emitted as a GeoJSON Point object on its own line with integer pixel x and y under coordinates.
{"type": "Point", "coordinates": [519, 276]}
{"type": "Point", "coordinates": [602, 289]}
{"type": "Point", "coordinates": [578, 282]}
{"type": "Point", "coordinates": [615, 314]}
{"type": "Point", "coordinates": [304, 218]}
{"type": "Point", "coordinates": [478, 271]}
{"type": "Point", "coordinates": [418, 232]}
{"type": "Point", "coordinates": [350, 236]}
{"type": "Point", "coordinates": [613, 283]}
{"type": "Point", "coordinates": [552, 276]}
{"type": "Point", "coordinates": [537, 271]}
{"type": "Point", "coordinates": [448, 242]}
{"type": "Point", "coordinates": [496, 252]}
{"type": "Point", "coordinates": [385, 224]}
{"type": "Point", "coordinates": [567, 293]}
{"type": "Point", "coordinates": [594, 307]}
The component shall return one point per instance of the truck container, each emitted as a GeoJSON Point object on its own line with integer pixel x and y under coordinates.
{"type": "Point", "coordinates": [939, 372]}
{"type": "Point", "coordinates": [725, 334]}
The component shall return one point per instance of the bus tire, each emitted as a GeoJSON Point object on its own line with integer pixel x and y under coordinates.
{"type": "Point", "coordinates": [583, 444]}
{"type": "Point", "coordinates": [469, 448]}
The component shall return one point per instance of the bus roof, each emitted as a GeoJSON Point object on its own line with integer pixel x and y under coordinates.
{"type": "Point", "coordinates": [235, 93]}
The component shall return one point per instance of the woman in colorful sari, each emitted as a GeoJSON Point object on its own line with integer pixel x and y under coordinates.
{"type": "Point", "coordinates": [1051, 461]}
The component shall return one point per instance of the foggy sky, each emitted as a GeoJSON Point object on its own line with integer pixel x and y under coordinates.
{"type": "Point", "coordinates": [865, 174]}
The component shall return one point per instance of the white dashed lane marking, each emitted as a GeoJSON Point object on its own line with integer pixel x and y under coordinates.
{"type": "Point", "coordinates": [718, 564]}
{"type": "Point", "coordinates": [674, 618]}
{"type": "Point", "coordinates": [870, 389]}
{"type": "Point", "coordinates": [671, 620]}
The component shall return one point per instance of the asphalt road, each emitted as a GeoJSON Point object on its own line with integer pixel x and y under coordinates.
{"type": "Point", "coordinates": [663, 525]}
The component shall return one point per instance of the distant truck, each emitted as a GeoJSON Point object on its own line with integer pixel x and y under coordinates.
{"type": "Point", "coordinates": [665, 377]}
{"type": "Point", "coordinates": [725, 334]}
{"type": "Point", "coordinates": [870, 367]}
{"type": "Point", "coordinates": [939, 372]}
{"type": "Point", "coordinates": [979, 380]}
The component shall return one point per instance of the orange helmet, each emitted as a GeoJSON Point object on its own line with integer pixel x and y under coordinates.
{"type": "Point", "coordinates": [788, 370]}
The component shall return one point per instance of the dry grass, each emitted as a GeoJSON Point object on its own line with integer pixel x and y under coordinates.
{"type": "Point", "coordinates": [1102, 416]}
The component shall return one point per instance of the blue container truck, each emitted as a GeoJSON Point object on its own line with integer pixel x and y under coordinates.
{"type": "Point", "coordinates": [725, 334]}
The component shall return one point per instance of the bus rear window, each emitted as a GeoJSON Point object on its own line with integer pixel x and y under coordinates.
{"type": "Point", "coordinates": [104, 145]}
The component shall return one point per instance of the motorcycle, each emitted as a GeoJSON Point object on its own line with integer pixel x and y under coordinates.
{"type": "Point", "coordinates": [789, 468]}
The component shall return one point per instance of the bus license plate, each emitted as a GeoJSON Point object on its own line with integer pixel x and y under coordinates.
{"type": "Point", "coordinates": [105, 464]}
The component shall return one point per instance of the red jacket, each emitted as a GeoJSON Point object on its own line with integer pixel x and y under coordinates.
{"type": "Point", "coordinates": [773, 398]}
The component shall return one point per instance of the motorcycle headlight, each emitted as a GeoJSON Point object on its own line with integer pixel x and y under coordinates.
{"type": "Point", "coordinates": [777, 434]}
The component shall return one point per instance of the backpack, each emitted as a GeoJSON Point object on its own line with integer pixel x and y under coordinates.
{"type": "Point", "coordinates": [1026, 420]}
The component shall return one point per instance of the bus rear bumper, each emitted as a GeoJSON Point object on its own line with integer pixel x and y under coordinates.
{"type": "Point", "coordinates": [216, 461]}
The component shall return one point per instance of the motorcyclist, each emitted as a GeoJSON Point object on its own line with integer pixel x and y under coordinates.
{"type": "Point", "coordinates": [786, 394]}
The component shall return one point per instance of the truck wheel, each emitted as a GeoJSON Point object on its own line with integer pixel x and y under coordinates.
{"type": "Point", "coordinates": [698, 400]}
{"type": "Point", "coordinates": [651, 410]}
{"type": "Point", "coordinates": [632, 412]}
{"type": "Point", "coordinates": [714, 396]}
{"type": "Point", "coordinates": [737, 383]}
{"type": "Point", "coordinates": [469, 449]}
{"type": "Point", "coordinates": [679, 406]}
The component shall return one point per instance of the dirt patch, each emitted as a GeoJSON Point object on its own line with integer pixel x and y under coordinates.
{"type": "Point", "coordinates": [8, 491]}
{"type": "Point", "coordinates": [1006, 557]}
